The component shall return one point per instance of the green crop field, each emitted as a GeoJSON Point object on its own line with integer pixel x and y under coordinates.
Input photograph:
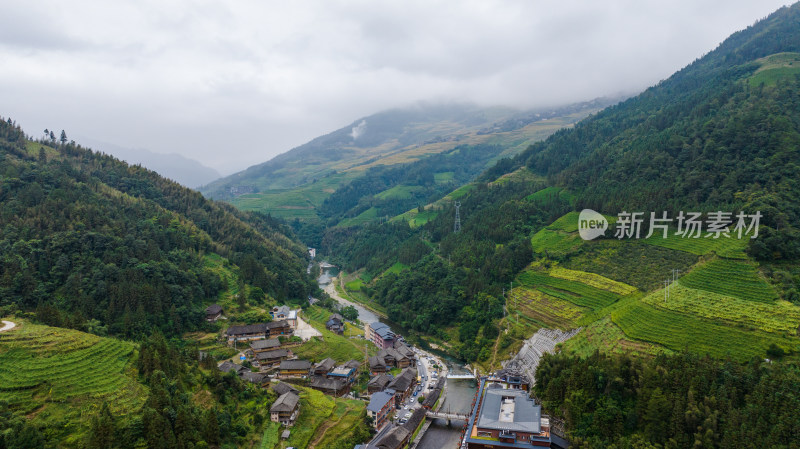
{"type": "Point", "coordinates": [443, 177]}
{"type": "Point", "coordinates": [62, 375]}
{"type": "Point", "coordinates": [459, 192]}
{"type": "Point", "coordinates": [567, 223]}
{"type": "Point", "coordinates": [399, 192]}
{"type": "Point", "coordinates": [576, 292]}
{"type": "Point", "coordinates": [555, 243]}
{"type": "Point", "coordinates": [632, 262]}
{"type": "Point", "coordinates": [775, 67]}
{"type": "Point", "coordinates": [678, 332]}
{"type": "Point", "coordinates": [606, 336]}
{"type": "Point", "coordinates": [546, 194]}
{"type": "Point", "coordinates": [780, 317]}
{"type": "Point", "coordinates": [542, 308]}
{"type": "Point", "coordinates": [730, 247]}
{"type": "Point", "coordinates": [730, 277]}
{"type": "Point", "coordinates": [364, 217]}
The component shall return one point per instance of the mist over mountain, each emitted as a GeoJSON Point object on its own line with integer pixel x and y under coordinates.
{"type": "Point", "coordinates": [179, 168]}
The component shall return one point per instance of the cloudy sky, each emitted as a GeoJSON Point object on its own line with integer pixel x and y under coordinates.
{"type": "Point", "coordinates": [233, 83]}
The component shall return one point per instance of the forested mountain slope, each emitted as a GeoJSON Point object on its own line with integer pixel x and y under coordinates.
{"type": "Point", "coordinates": [92, 243]}
{"type": "Point", "coordinates": [721, 134]}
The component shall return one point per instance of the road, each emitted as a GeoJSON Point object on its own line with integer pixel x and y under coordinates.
{"type": "Point", "coordinates": [7, 325]}
{"type": "Point", "coordinates": [425, 362]}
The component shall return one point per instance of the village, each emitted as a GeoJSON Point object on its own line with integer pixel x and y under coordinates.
{"type": "Point", "coordinates": [398, 383]}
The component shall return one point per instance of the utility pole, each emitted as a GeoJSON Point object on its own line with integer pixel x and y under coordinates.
{"type": "Point", "coordinates": [666, 286]}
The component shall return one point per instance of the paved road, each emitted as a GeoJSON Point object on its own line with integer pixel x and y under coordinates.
{"type": "Point", "coordinates": [7, 325]}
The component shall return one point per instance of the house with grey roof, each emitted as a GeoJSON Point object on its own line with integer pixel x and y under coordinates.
{"type": "Point", "coordinates": [380, 407]}
{"type": "Point", "coordinates": [285, 409]}
{"type": "Point", "coordinates": [403, 385]}
{"type": "Point", "coordinates": [379, 382]}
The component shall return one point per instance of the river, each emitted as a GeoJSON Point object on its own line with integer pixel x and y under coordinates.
{"type": "Point", "coordinates": [324, 280]}
{"type": "Point", "coordinates": [460, 392]}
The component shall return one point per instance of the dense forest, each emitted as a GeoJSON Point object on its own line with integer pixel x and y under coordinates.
{"type": "Point", "coordinates": [91, 243]}
{"type": "Point", "coordinates": [672, 401]}
{"type": "Point", "coordinates": [452, 275]}
{"type": "Point", "coordinates": [717, 135]}
{"type": "Point", "coordinates": [712, 137]}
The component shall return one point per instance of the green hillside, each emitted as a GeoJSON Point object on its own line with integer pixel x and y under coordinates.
{"type": "Point", "coordinates": [712, 137]}
{"type": "Point", "coordinates": [91, 243]}
{"type": "Point", "coordinates": [297, 183]}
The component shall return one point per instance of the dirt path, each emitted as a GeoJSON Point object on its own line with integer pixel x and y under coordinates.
{"type": "Point", "coordinates": [325, 427]}
{"type": "Point", "coordinates": [7, 326]}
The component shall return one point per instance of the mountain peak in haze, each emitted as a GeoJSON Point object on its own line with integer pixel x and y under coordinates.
{"type": "Point", "coordinates": [181, 169]}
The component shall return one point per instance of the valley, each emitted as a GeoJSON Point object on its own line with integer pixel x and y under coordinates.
{"type": "Point", "coordinates": [320, 299]}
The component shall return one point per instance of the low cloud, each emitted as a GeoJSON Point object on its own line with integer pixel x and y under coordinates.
{"type": "Point", "coordinates": [359, 130]}
{"type": "Point", "coordinates": [234, 84]}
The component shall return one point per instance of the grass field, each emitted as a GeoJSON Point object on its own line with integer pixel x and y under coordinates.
{"type": "Point", "coordinates": [59, 377]}
{"type": "Point", "coordinates": [678, 331]}
{"type": "Point", "coordinates": [775, 67]}
{"type": "Point", "coordinates": [732, 278]}
{"type": "Point", "coordinates": [555, 243]}
{"type": "Point", "coordinates": [779, 317]}
{"type": "Point", "coordinates": [338, 347]}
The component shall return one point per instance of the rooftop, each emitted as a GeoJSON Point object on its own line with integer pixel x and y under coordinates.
{"type": "Point", "coordinates": [265, 344]}
{"type": "Point", "coordinates": [269, 355]}
{"type": "Point", "coordinates": [248, 329]}
{"type": "Point", "coordinates": [295, 365]}
{"type": "Point", "coordinates": [285, 403]}
{"type": "Point", "coordinates": [379, 400]}
{"type": "Point", "coordinates": [509, 409]}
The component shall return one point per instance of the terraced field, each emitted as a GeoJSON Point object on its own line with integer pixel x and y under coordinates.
{"type": "Point", "coordinates": [608, 337]}
{"type": "Point", "coordinates": [732, 278]}
{"type": "Point", "coordinates": [780, 317]}
{"type": "Point", "coordinates": [573, 291]}
{"type": "Point", "coordinates": [59, 376]}
{"type": "Point", "coordinates": [679, 332]}
{"type": "Point", "coordinates": [539, 309]}
{"type": "Point", "coordinates": [729, 247]}
{"type": "Point", "coordinates": [593, 280]}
